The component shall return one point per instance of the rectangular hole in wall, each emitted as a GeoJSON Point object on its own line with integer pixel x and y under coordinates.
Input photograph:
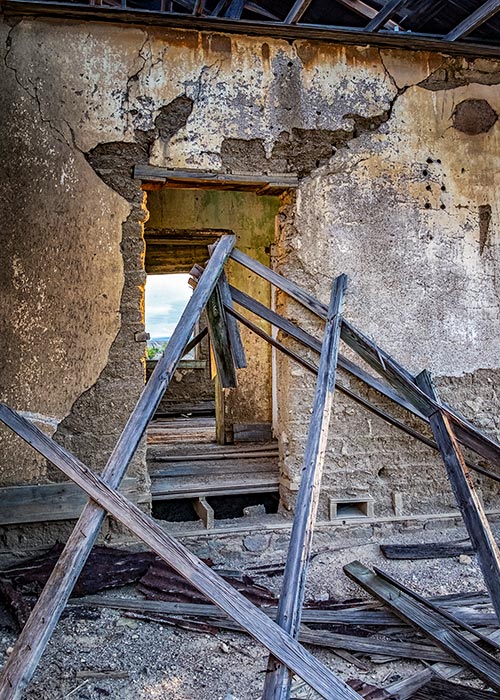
{"type": "Point", "coordinates": [348, 508]}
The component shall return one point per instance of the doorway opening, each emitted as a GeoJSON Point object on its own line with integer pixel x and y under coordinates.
{"type": "Point", "coordinates": [205, 442]}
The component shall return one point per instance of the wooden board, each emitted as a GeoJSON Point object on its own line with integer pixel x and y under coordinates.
{"type": "Point", "coordinates": [51, 502]}
{"type": "Point", "coordinates": [432, 624]}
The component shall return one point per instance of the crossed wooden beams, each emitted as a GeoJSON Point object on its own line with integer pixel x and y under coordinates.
{"type": "Point", "coordinates": [414, 394]}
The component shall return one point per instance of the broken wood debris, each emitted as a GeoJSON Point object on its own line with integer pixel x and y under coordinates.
{"type": "Point", "coordinates": [432, 623]}
{"type": "Point", "coordinates": [429, 550]}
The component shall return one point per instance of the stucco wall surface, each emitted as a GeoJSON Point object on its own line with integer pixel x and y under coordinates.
{"type": "Point", "coordinates": [398, 155]}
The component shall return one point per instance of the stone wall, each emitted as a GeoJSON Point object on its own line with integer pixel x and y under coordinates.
{"type": "Point", "coordinates": [398, 155]}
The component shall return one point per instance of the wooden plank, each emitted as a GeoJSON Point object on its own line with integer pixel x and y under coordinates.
{"type": "Point", "coordinates": [235, 9]}
{"type": "Point", "coordinates": [220, 341]}
{"type": "Point", "coordinates": [432, 624]}
{"type": "Point", "coordinates": [37, 503]}
{"type": "Point", "coordinates": [204, 511]}
{"type": "Point", "coordinates": [237, 349]}
{"type": "Point", "coordinates": [495, 646]}
{"type": "Point", "coordinates": [208, 180]}
{"type": "Point", "coordinates": [474, 20]}
{"type": "Point", "coordinates": [298, 8]}
{"type": "Point", "coordinates": [481, 537]}
{"type": "Point", "coordinates": [466, 432]}
{"type": "Point", "coordinates": [406, 688]}
{"type": "Point", "coordinates": [166, 489]}
{"type": "Point", "coordinates": [365, 10]}
{"type": "Point", "coordinates": [384, 15]}
{"type": "Point", "coordinates": [206, 469]}
{"type": "Point", "coordinates": [321, 638]}
{"type": "Point", "coordinates": [32, 641]}
{"type": "Point", "coordinates": [439, 688]}
{"type": "Point", "coordinates": [198, 574]}
{"type": "Point", "coordinates": [427, 550]}
{"type": "Point", "coordinates": [278, 678]}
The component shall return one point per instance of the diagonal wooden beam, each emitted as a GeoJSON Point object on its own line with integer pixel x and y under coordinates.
{"type": "Point", "coordinates": [235, 9]}
{"type": "Point", "coordinates": [473, 515]}
{"type": "Point", "coordinates": [434, 625]}
{"type": "Point", "coordinates": [381, 361]}
{"type": "Point", "coordinates": [384, 15]}
{"type": "Point", "coordinates": [278, 678]}
{"type": "Point", "coordinates": [33, 639]}
{"type": "Point", "coordinates": [357, 372]}
{"type": "Point", "coordinates": [365, 10]}
{"type": "Point", "coordinates": [198, 574]}
{"type": "Point", "coordinates": [473, 21]}
{"type": "Point", "coordinates": [298, 8]}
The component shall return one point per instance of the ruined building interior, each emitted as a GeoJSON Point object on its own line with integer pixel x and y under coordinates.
{"type": "Point", "coordinates": [250, 263]}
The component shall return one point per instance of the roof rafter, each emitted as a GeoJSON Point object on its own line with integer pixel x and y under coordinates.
{"type": "Point", "coordinates": [384, 15]}
{"type": "Point", "coordinates": [473, 21]}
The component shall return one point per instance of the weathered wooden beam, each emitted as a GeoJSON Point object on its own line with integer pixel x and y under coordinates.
{"type": "Point", "coordinates": [474, 20]}
{"type": "Point", "coordinates": [350, 36]}
{"type": "Point", "coordinates": [237, 349]}
{"type": "Point", "coordinates": [365, 10]}
{"type": "Point", "coordinates": [32, 641]}
{"type": "Point", "coordinates": [278, 678]}
{"type": "Point", "coordinates": [384, 15]}
{"type": "Point", "coordinates": [491, 643]}
{"type": "Point", "coordinates": [312, 343]}
{"type": "Point", "coordinates": [406, 688]}
{"type": "Point", "coordinates": [210, 180]}
{"type": "Point", "coordinates": [473, 515]}
{"type": "Point", "coordinates": [235, 9]}
{"type": "Point", "coordinates": [322, 638]}
{"type": "Point", "coordinates": [298, 8]}
{"type": "Point", "coordinates": [432, 624]}
{"type": "Point", "coordinates": [35, 503]}
{"type": "Point", "coordinates": [383, 363]}
{"type": "Point", "coordinates": [198, 574]}
{"type": "Point", "coordinates": [219, 339]}
{"type": "Point", "coordinates": [204, 511]}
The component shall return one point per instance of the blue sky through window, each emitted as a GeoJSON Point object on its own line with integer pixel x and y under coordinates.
{"type": "Point", "coordinates": [166, 298]}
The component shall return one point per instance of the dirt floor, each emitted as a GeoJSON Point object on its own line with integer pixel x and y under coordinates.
{"type": "Point", "coordinates": [101, 653]}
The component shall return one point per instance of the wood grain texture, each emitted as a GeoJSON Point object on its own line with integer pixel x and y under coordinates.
{"type": "Point", "coordinates": [475, 520]}
{"type": "Point", "coordinates": [32, 641]}
{"type": "Point", "coordinates": [432, 624]}
{"type": "Point", "coordinates": [474, 20]}
{"type": "Point", "coordinates": [398, 377]}
{"type": "Point", "coordinates": [198, 574]}
{"type": "Point", "coordinates": [278, 678]}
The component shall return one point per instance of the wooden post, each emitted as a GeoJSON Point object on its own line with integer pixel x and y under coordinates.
{"type": "Point", "coordinates": [488, 554]}
{"type": "Point", "coordinates": [219, 338]}
{"type": "Point", "coordinates": [32, 641]}
{"type": "Point", "coordinates": [278, 678]}
{"type": "Point", "coordinates": [198, 574]}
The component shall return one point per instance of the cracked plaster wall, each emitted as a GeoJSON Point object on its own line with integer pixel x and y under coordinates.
{"type": "Point", "coordinates": [391, 194]}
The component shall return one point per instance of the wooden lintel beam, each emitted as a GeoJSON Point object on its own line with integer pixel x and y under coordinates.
{"type": "Point", "coordinates": [298, 8]}
{"type": "Point", "coordinates": [473, 21]}
{"type": "Point", "coordinates": [384, 15]}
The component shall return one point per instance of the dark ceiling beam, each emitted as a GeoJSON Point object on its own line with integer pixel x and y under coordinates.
{"type": "Point", "coordinates": [297, 10]}
{"type": "Point", "coordinates": [345, 36]}
{"type": "Point", "coordinates": [235, 9]}
{"type": "Point", "coordinates": [365, 10]}
{"type": "Point", "coordinates": [384, 15]}
{"type": "Point", "coordinates": [473, 21]}
{"type": "Point", "coordinates": [198, 8]}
